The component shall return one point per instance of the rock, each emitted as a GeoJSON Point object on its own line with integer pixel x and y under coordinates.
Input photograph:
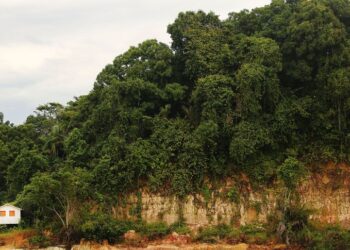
{"type": "Point", "coordinates": [55, 248]}
{"type": "Point", "coordinates": [325, 179]}
{"type": "Point", "coordinates": [177, 239]}
{"type": "Point", "coordinates": [280, 247]}
{"type": "Point", "coordinates": [132, 238]}
{"type": "Point", "coordinates": [130, 235]}
{"type": "Point", "coordinates": [252, 215]}
{"type": "Point", "coordinates": [81, 247]}
{"type": "Point", "coordinates": [163, 247]}
{"type": "Point", "coordinates": [241, 246]}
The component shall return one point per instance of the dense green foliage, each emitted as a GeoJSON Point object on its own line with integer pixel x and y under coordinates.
{"type": "Point", "coordinates": [100, 227]}
{"type": "Point", "coordinates": [263, 92]}
{"type": "Point", "coordinates": [250, 233]}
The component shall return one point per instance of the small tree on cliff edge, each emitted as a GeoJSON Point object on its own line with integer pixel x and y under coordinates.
{"type": "Point", "coordinates": [57, 196]}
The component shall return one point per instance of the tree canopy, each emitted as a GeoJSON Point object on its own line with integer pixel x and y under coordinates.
{"type": "Point", "coordinates": [245, 94]}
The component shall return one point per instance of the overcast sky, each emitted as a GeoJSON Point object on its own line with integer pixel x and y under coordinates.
{"type": "Point", "coordinates": [52, 50]}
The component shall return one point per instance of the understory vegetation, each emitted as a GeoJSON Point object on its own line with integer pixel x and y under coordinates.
{"type": "Point", "coordinates": [262, 93]}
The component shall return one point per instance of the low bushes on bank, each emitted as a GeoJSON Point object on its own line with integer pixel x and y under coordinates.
{"type": "Point", "coordinates": [99, 227]}
{"type": "Point", "coordinates": [326, 238]}
{"type": "Point", "coordinates": [252, 233]}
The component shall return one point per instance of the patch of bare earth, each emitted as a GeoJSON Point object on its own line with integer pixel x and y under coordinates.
{"type": "Point", "coordinates": [15, 239]}
{"type": "Point", "coordinates": [158, 245]}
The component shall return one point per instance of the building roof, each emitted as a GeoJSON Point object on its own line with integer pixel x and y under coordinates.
{"type": "Point", "coordinates": [10, 205]}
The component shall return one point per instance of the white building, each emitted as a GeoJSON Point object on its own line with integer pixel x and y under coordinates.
{"type": "Point", "coordinates": [9, 214]}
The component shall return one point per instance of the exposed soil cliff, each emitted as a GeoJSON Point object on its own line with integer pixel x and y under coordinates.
{"type": "Point", "coordinates": [326, 192]}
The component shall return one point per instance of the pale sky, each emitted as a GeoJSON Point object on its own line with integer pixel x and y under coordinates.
{"type": "Point", "coordinates": [52, 50]}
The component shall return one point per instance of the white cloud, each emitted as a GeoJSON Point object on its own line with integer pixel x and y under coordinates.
{"type": "Point", "coordinates": [53, 50]}
{"type": "Point", "coordinates": [21, 58]}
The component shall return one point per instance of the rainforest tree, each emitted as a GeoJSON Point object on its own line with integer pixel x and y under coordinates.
{"type": "Point", "coordinates": [240, 95]}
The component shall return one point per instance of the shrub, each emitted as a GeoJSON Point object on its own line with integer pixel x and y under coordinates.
{"type": "Point", "coordinates": [300, 231]}
{"type": "Point", "coordinates": [39, 241]}
{"type": "Point", "coordinates": [3, 228]}
{"type": "Point", "coordinates": [297, 217]}
{"type": "Point", "coordinates": [154, 230]}
{"type": "Point", "coordinates": [254, 233]}
{"type": "Point", "coordinates": [335, 238]}
{"type": "Point", "coordinates": [296, 220]}
{"type": "Point", "coordinates": [291, 172]}
{"type": "Point", "coordinates": [180, 228]}
{"type": "Point", "coordinates": [329, 238]}
{"type": "Point", "coordinates": [206, 192]}
{"type": "Point", "coordinates": [216, 233]}
{"type": "Point", "coordinates": [233, 195]}
{"type": "Point", "coordinates": [209, 235]}
{"type": "Point", "coordinates": [100, 227]}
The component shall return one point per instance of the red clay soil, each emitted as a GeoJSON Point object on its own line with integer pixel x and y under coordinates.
{"type": "Point", "coordinates": [15, 239]}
